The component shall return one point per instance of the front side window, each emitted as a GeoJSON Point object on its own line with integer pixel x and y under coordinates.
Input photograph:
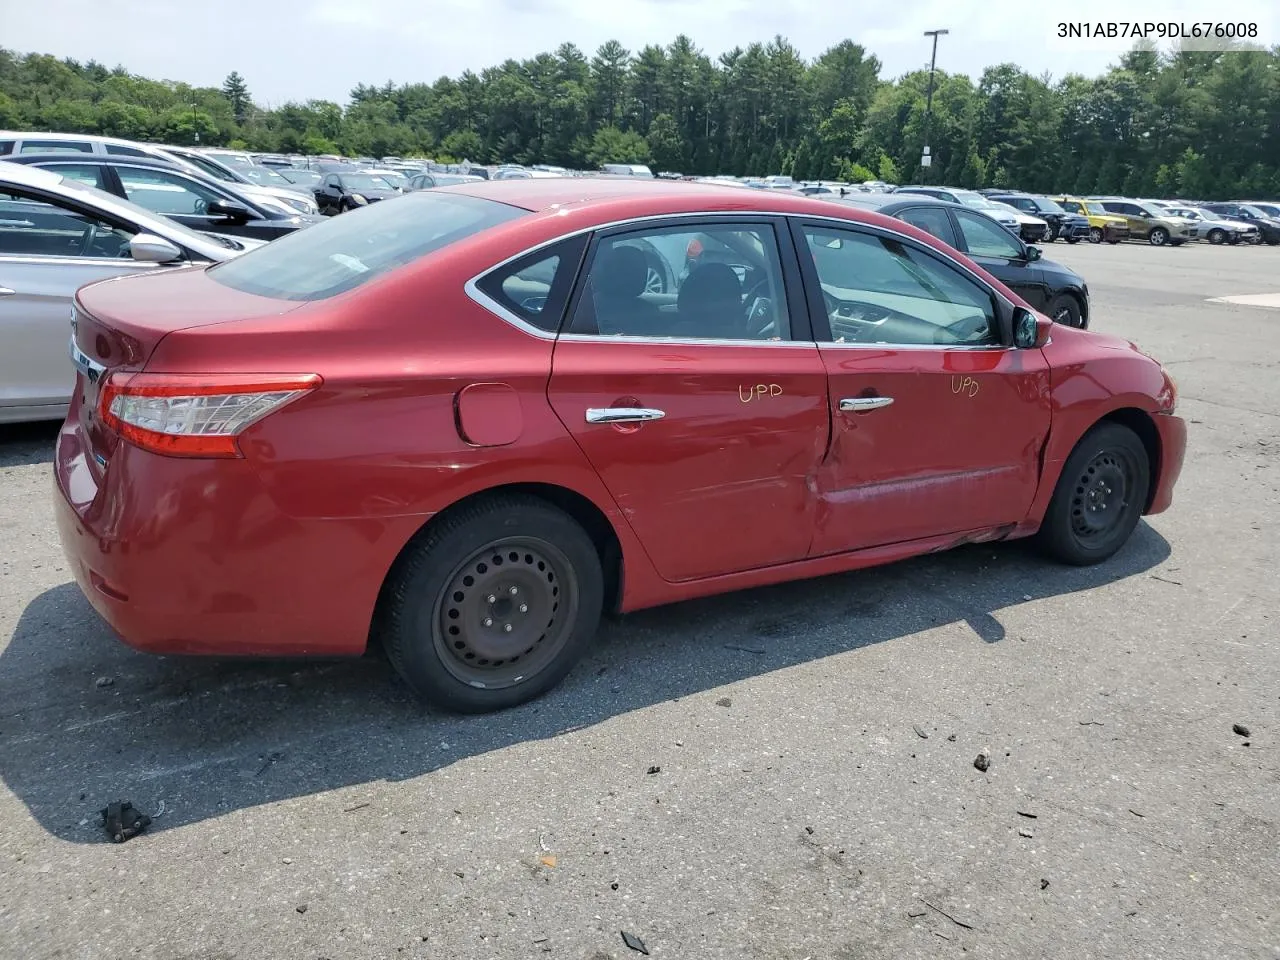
{"type": "Point", "coordinates": [986, 238]}
{"type": "Point", "coordinates": [90, 174]}
{"type": "Point", "coordinates": [167, 193]}
{"type": "Point", "coordinates": [932, 220]}
{"type": "Point", "coordinates": [355, 182]}
{"type": "Point", "coordinates": [707, 282]}
{"type": "Point", "coordinates": [879, 289]}
{"type": "Point", "coordinates": [34, 227]}
{"type": "Point", "coordinates": [344, 252]}
{"type": "Point", "coordinates": [1071, 206]}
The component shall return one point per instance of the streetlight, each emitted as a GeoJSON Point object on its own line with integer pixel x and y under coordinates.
{"type": "Point", "coordinates": [925, 159]}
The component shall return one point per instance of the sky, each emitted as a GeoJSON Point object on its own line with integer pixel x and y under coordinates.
{"type": "Point", "coordinates": [304, 49]}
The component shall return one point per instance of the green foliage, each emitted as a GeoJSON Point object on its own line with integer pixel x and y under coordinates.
{"type": "Point", "coordinates": [1196, 123]}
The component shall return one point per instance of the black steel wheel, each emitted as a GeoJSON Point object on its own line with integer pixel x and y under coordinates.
{"type": "Point", "coordinates": [1065, 309]}
{"type": "Point", "coordinates": [493, 605]}
{"type": "Point", "coordinates": [1099, 497]}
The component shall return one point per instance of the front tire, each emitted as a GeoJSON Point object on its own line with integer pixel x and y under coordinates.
{"type": "Point", "coordinates": [1095, 234]}
{"type": "Point", "coordinates": [492, 606]}
{"type": "Point", "coordinates": [1217, 236]}
{"type": "Point", "coordinates": [1099, 498]}
{"type": "Point", "coordinates": [1065, 309]}
{"type": "Point", "coordinates": [1158, 237]}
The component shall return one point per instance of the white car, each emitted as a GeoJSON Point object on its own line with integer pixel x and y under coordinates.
{"type": "Point", "coordinates": [56, 235]}
{"type": "Point", "coordinates": [1031, 228]}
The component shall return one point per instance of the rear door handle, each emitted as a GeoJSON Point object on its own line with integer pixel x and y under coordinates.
{"type": "Point", "coordinates": [623, 414]}
{"type": "Point", "coordinates": [6, 292]}
{"type": "Point", "coordinates": [859, 404]}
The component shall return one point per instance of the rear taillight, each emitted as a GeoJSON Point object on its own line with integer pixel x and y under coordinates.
{"type": "Point", "coordinates": [185, 415]}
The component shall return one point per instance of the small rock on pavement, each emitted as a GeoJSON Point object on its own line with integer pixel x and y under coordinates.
{"type": "Point", "coordinates": [1240, 730]}
{"type": "Point", "coordinates": [634, 942]}
{"type": "Point", "coordinates": [104, 682]}
{"type": "Point", "coordinates": [301, 908]}
{"type": "Point", "coordinates": [1025, 833]}
{"type": "Point", "coordinates": [653, 770]}
{"type": "Point", "coordinates": [724, 702]}
{"type": "Point", "coordinates": [1044, 884]}
{"type": "Point", "coordinates": [983, 760]}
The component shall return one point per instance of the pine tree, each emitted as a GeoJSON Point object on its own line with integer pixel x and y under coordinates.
{"type": "Point", "coordinates": [237, 93]}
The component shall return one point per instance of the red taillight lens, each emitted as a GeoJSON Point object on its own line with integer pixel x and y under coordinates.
{"type": "Point", "coordinates": [186, 415]}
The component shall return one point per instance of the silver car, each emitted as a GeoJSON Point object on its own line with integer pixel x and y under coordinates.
{"type": "Point", "coordinates": [56, 235]}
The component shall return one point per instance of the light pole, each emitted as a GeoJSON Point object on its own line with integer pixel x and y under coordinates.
{"type": "Point", "coordinates": [926, 159]}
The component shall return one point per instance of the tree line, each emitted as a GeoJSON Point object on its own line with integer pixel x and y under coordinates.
{"type": "Point", "coordinates": [1187, 123]}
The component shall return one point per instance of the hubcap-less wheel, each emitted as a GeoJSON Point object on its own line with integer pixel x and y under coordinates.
{"type": "Point", "coordinates": [507, 611]}
{"type": "Point", "coordinates": [1099, 502]}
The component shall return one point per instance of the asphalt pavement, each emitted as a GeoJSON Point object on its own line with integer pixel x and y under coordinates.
{"type": "Point", "coordinates": [780, 774]}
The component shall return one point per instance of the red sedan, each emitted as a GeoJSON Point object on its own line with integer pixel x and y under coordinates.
{"type": "Point", "coordinates": [465, 421]}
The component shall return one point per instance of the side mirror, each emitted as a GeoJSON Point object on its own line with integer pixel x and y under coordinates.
{"type": "Point", "coordinates": [148, 248]}
{"type": "Point", "coordinates": [230, 209]}
{"type": "Point", "coordinates": [1033, 254]}
{"type": "Point", "coordinates": [1030, 331]}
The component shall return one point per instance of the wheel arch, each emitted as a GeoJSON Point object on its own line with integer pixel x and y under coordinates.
{"type": "Point", "coordinates": [576, 505]}
{"type": "Point", "coordinates": [1140, 422]}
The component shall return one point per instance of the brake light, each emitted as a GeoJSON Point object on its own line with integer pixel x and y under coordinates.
{"type": "Point", "coordinates": [188, 415]}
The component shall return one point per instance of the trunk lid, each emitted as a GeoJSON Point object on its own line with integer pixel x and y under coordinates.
{"type": "Point", "coordinates": [117, 325]}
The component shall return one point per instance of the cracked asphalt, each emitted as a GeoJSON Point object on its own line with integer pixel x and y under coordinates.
{"type": "Point", "coordinates": [816, 795]}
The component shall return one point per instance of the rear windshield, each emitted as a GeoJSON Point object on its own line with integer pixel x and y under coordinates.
{"type": "Point", "coordinates": [352, 248]}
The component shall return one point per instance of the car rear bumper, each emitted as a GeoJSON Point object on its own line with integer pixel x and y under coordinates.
{"type": "Point", "coordinates": [1172, 431]}
{"type": "Point", "coordinates": [189, 556]}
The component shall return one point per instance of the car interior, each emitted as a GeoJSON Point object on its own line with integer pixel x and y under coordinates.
{"type": "Point", "coordinates": [34, 228]}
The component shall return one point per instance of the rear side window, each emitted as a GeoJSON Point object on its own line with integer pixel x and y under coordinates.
{"type": "Point", "coordinates": [6, 147]}
{"type": "Point", "coordinates": [535, 288]}
{"type": "Point", "coordinates": [340, 254]}
{"type": "Point", "coordinates": [932, 220]}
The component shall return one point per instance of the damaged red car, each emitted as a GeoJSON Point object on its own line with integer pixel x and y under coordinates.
{"type": "Point", "coordinates": [465, 422]}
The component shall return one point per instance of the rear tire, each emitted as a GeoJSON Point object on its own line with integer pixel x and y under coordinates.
{"type": "Point", "coordinates": [492, 606]}
{"type": "Point", "coordinates": [1099, 498]}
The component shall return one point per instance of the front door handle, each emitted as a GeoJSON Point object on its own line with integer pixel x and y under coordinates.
{"type": "Point", "coordinates": [623, 414]}
{"type": "Point", "coordinates": [6, 292]}
{"type": "Point", "coordinates": [860, 404]}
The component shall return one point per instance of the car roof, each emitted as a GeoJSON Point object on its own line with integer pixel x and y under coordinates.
{"type": "Point", "coordinates": [542, 194]}
{"type": "Point", "coordinates": [885, 201]}
{"type": "Point", "coordinates": [111, 158]}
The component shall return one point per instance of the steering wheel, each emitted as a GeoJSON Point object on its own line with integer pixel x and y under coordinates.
{"type": "Point", "coordinates": [87, 237]}
{"type": "Point", "coordinates": [760, 321]}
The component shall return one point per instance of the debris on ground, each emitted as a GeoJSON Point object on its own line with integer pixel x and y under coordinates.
{"type": "Point", "coordinates": [958, 923]}
{"type": "Point", "coordinates": [952, 738]}
{"type": "Point", "coordinates": [653, 770]}
{"type": "Point", "coordinates": [267, 761]}
{"type": "Point", "coordinates": [983, 760]}
{"type": "Point", "coordinates": [1029, 816]}
{"type": "Point", "coordinates": [548, 860]}
{"type": "Point", "coordinates": [123, 821]}
{"type": "Point", "coordinates": [735, 646]}
{"type": "Point", "coordinates": [1176, 583]}
{"type": "Point", "coordinates": [724, 702]}
{"type": "Point", "coordinates": [809, 830]}
{"type": "Point", "coordinates": [1025, 833]}
{"type": "Point", "coordinates": [919, 732]}
{"type": "Point", "coordinates": [1044, 884]}
{"type": "Point", "coordinates": [104, 682]}
{"type": "Point", "coordinates": [1137, 814]}
{"type": "Point", "coordinates": [915, 912]}
{"type": "Point", "coordinates": [301, 908]}
{"type": "Point", "coordinates": [1239, 729]}
{"type": "Point", "coordinates": [358, 806]}
{"type": "Point", "coordinates": [634, 942]}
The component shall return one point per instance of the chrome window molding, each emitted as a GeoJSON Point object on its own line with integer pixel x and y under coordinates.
{"type": "Point", "coordinates": [45, 258]}
{"type": "Point", "coordinates": [482, 299]}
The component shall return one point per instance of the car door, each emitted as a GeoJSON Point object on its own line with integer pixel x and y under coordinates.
{"type": "Point", "coordinates": [1139, 225]}
{"type": "Point", "coordinates": [1003, 255]}
{"type": "Point", "coordinates": [702, 405]}
{"type": "Point", "coordinates": [48, 250]}
{"type": "Point", "coordinates": [937, 423]}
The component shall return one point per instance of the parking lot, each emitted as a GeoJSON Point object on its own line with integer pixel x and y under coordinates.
{"type": "Point", "coordinates": [782, 773]}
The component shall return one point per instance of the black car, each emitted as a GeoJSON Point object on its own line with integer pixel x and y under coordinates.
{"type": "Point", "coordinates": [1246, 212]}
{"type": "Point", "coordinates": [195, 201]}
{"type": "Point", "coordinates": [345, 190]}
{"type": "Point", "coordinates": [1071, 227]}
{"type": "Point", "coordinates": [1049, 287]}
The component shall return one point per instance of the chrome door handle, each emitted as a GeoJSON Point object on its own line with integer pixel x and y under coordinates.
{"type": "Point", "coordinates": [856, 404]}
{"type": "Point", "coordinates": [623, 414]}
{"type": "Point", "coordinates": [6, 292]}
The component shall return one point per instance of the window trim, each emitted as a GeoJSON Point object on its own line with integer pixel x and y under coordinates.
{"type": "Point", "coordinates": [799, 321]}
{"type": "Point", "coordinates": [1001, 308]}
